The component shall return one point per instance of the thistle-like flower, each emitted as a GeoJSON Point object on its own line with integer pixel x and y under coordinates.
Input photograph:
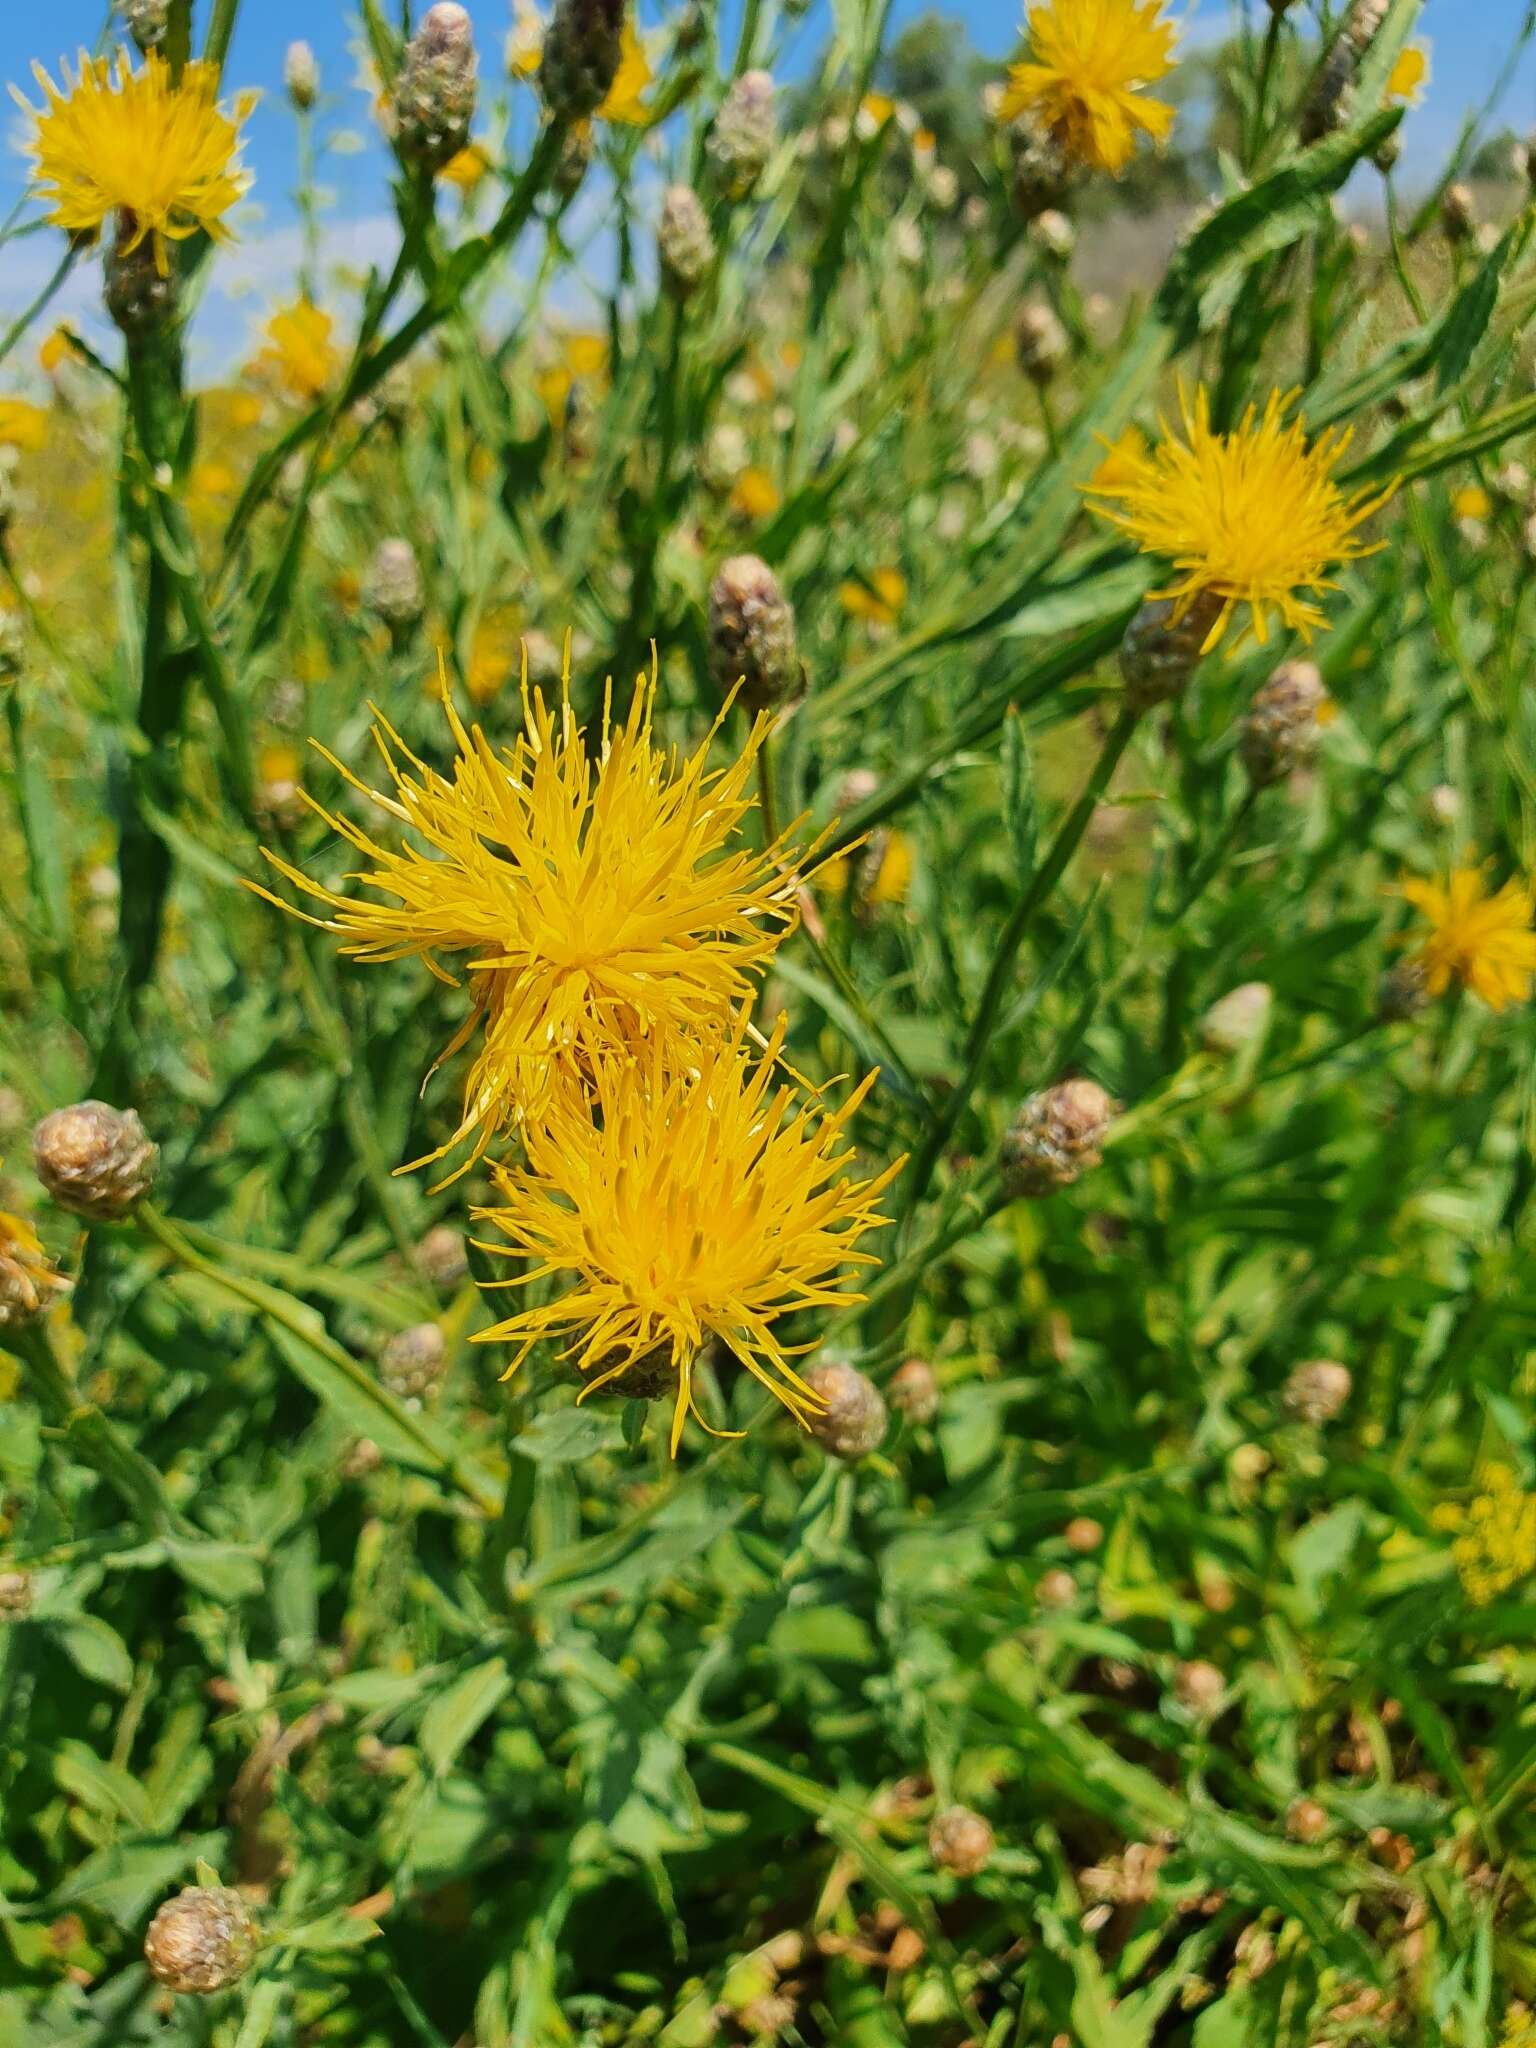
{"type": "Point", "coordinates": [159, 159]}
{"type": "Point", "coordinates": [700, 1203]}
{"type": "Point", "coordinates": [742, 138]}
{"type": "Point", "coordinates": [28, 1283]}
{"type": "Point", "coordinates": [1483, 941]}
{"type": "Point", "coordinates": [684, 242]}
{"type": "Point", "coordinates": [1084, 85]}
{"type": "Point", "coordinates": [593, 896]}
{"type": "Point", "coordinates": [582, 50]}
{"type": "Point", "coordinates": [201, 1941]}
{"type": "Point", "coordinates": [1252, 518]}
{"type": "Point", "coordinates": [299, 356]}
{"type": "Point", "coordinates": [433, 101]}
{"type": "Point", "coordinates": [1055, 1138]}
{"type": "Point", "coordinates": [752, 633]}
{"type": "Point", "coordinates": [95, 1160]}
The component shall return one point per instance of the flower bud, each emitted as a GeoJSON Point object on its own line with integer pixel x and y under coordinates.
{"type": "Point", "coordinates": [201, 1941]}
{"type": "Point", "coordinates": [1057, 1589]}
{"type": "Point", "coordinates": [752, 633]}
{"type": "Point", "coordinates": [914, 1391]}
{"type": "Point", "coordinates": [853, 1421]}
{"type": "Point", "coordinates": [1159, 652]}
{"type": "Point", "coordinates": [1040, 342]}
{"type": "Point", "coordinates": [724, 456]}
{"type": "Point", "coordinates": [1083, 1534]}
{"type": "Point", "coordinates": [1317, 1390]}
{"type": "Point", "coordinates": [15, 1595]}
{"type": "Point", "coordinates": [741, 140]}
{"type": "Point", "coordinates": [960, 1841]}
{"type": "Point", "coordinates": [411, 1363]}
{"type": "Point", "coordinates": [1039, 173]}
{"type": "Point", "coordinates": [574, 161]}
{"type": "Point", "coordinates": [582, 48]}
{"type": "Point", "coordinates": [1055, 1138]}
{"type": "Point", "coordinates": [1280, 732]}
{"type": "Point", "coordinates": [1306, 1820]}
{"type": "Point", "coordinates": [141, 300]}
{"type": "Point", "coordinates": [1055, 234]}
{"type": "Point", "coordinates": [684, 245]}
{"type": "Point", "coordinates": [1402, 992]}
{"type": "Point", "coordinates": [1458, 212]}
{"type": "Point", "coordinates": [1199, 1688]}
{"type": "Point", "coordinates": [146, 21]}
{"type": "Point", "coordinates": [392, 591]}
{"type": "Point", "coordinates": [94, 1160]}
{"type": "Point", "coordinates": [301, 76]}
{"type": "Point", "coordinates": [1239, 1019]}
{"type": "Point", "coordinates": [433, 99]}
{"type": "Point", "coordinates": [443, 1256]}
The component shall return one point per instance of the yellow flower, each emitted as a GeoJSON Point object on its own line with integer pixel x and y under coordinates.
{"type": "Point", "coordinates": [27, 1280]}
{"type": "Point", "coordinates": [893, 874]}
{"type": "Point", "coordinates": [525, 40]}
{"type": "Point", "coordinates": [1410, 74]}
{"type": "Point", "coordinates": [701, 1202]}
{"type": "Point", "coordinates": [494, 655]}
{"type": "Point", "coordinates": [755, 495]}
{"type": "Point", "coordinates": [585, 354]}
{"type": "Point", "coordinates": [590, 893]}
{"type": "Point", "coordinates": [1484, 942]}
{"type": "Point", "coordinates": [22, 425]}
{"type": "Point", "coordinates": [879, 599]}
{"type": "Point", "coordinates": [1495, 1546]}
{"type": "Point", "coordinates": [54, 349]}
{"type": "Point", "coordinates": [1250, 518]}
{"type": "Point", "coordinates": [1091, 60]}
{"type": "Point", "coordinates": [466, 167]}
{"type": "Point", "coordinates": [1519, 2029]}
{"type": "Point", "coordinates": [210, 482]}
{"type": "Point", "coordinates": [1471, 502]}
{"type": "Point", "coordinates": [113, 143]}
{"type": "Point", "coordinates": [1121, 458]}
{"type": "Point", "coordinates": [233, 407]}
{"type": "Point", "coordinates": [624, 103]}
{"type": "Point", "coordinates": [300, 357]}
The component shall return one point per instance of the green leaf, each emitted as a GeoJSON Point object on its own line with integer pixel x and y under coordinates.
{"type": "Point", "coordinates": [455, 1716]}
{"type": "Point", "coordinates": [1021, 810]}
{"type": "Point", "coordinates": [95, 1649]}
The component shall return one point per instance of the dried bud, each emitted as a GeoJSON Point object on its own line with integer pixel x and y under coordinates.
{"type": "Point", "coordinates": [853, 1422]}
{"type": "Point", "coordinates": [141, 300]}
{"type": "Point", "coordinates": [1160, 649]}
{"type": "Point", "coordinates": [1055, 1138]}
{"type": "Point", "coordinates": [1317, 1391]}
{"type": "Point", "coordinates": [1055, 234]}
{"type": "Point", "coordinates": [1057, 1589]}
{"type": "Point", "coordinates": [856, 787]}
{"type": "Point", "coordinates": [960, 1841]}
{"type": "Point", "coordinates": [15, 1595]}
{"type": "Point", "coordinates": [1458, 212]}
{"type": "Point", "coordinates": [1199, 1688]}
{"type": "Point", "coordinates": [582, 48]}
{"type": "Point", "coordinates": [684, 244]}
{"type": "Point", "coordinates": [94, 1160]}
{"type": "Point", "coordinates": [146, 21]}
{"type": "Point", "coordinates": [1040, 342]}
{"type": "Point", "coordinates": [1306, 1820]}
{"type": "Point", "coordinates": [392, 591]}
{"type": "Point", "coordinates": [1239, 1019]}
{"type": "Point", "coordinates": [914, 1391]}
{"type": "Point", "coordinates": [752, 633]}
{"type": "Point", "coordinates": [1280, 732]}
{"type": "Point", "coordinates": [724, 456]}
{"type": "Point", "coordinates": [741, 141]}
{"type": "Point", "coordinates": [411, 1363]}
{"type": "Point", "coordinates": [1083, 1534]}
{"type": "Point", "coordinates": [443, 1256]}
{"type": "Point", "coordinates": [1402, 992]}
{"type": "Point", "coordinates": [201, 1941]}
{"type": "Point", "coordinates": [1039, 175]}
{"type": "Point", "coordinates": [301, 76]}
{"type": "Point", "coordinates": [433, 100]}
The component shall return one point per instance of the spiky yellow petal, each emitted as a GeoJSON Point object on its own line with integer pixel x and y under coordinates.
{"type": "Point", "coordinates": [1085, 81]}
{"type": "Point", "coordinates": [299, 356]}
{"type": "Point", "coordinates": [1483, 941]}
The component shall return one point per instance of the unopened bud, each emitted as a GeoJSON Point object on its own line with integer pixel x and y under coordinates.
{"type": "Point", "coordinates": [1306, 1820]}
{"type": "Point", "coordinates": [301, 76]}
{"type": "Point", "coordinates": [582, 48]}
{"type": "Point", "coordinates": [960, 1841]}
{"type": "Point", "coordinates": [853, 1421]}
{"type": "Point", "coordinates": [1402, 992]}
{"type": "Point", "coordinates": [1160, 650]}
{"type": "Point", "coordinates": [1316, 1391]}
{"type": "Point", "coordinates": [201, 1941]}
{"type": "Point", "coordinates": [94, 1160]}
{"type": "Point", "coordinates": [1280, 732]}
{"type": "Point", "coordinates": [1055, 234]}
{"type": "Point", "coordinates": [741, 140]}
{"type": "Point", "coordinates": [435, 89]}
{"type": "Point", "coordinates": [684, 245]}
{"type": "Point", "coordinates": [1057, 1589]}
{"type": "Point", "coordinates": [15, 1595]}
{"type": "Point", "coordinates": [392, 591]}
{"type": "Point", "coordinates": [1458, 212]}
{"type": "Point", "coordinates": [1083, 1534]}
{"type": "Point", "coordinates": [1040, 342]}
{"type": "Point", "coordinates": [1039, 174]}
{"type": "Point", "coordinates": [142, 299]}
{"type": "Point", "coordinates": [1055, 1138]}
{"type": "Point", "coordinates": [1199, 1688]}
{"type": "Point", "coordinates": [914, 1391]}
{"type": "Point", "coordinates": [443, 1256]}
{"type": "Point", "coordinates": [1328, 106]}
{"type": "Point", "coordinates": [411, 1363]}
{"type": "Point", "coordinates": [146, 21]}
{"type": "Point", "coordinates": [1239, 1019]}
{"type": "Point", "coordinates": [646, 1377]}
{"type": "Point", "coordinates": [752, 633]}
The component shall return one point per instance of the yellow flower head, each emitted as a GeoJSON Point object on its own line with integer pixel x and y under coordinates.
{"type": "Point", "coordinates": [54, 349]}
{"type": "Point", "coordinates": [525, 40]}
{"type": "Point", "coordinates": [591, 894]}
{"type": "Point", "coordinates": [27, 1281]}
{"type": "Point", "coordinates": [1119, 465]}
{"type": "Point", "coordinates": [1410, 74]}
{"type": "Point", "coordinates": [1471, 502]}
{"type": "Point", "coordinates": [112, 143]}
{"type": "Point", "coordinates": [1519, 2030]}
{"type": "Point", "coordinates": [879, 600]}
{"type": "Point", "coordinates": [300, 357]}
{"type": "Point", "coordinates": [755, 495]}
{"type": "Point", "coordinates": [1250, 518]}
{"type": "Point", "coordinates": [22, 425]}
{"type": "Point", "coordinates": [624, 102]}
{"type": "Point", "coordinates": [1090, 62]}
{"type": "Point", "coordinates": [703, 1201]}
{"type": "Point", "coordinates": [1495, 1546]}
{"type": "Point", "coordinates": [495, 652]}
{"type": "Point", "coordinates": [465, 168]}
{"type": "Point", "coordinates": [1484, 942]}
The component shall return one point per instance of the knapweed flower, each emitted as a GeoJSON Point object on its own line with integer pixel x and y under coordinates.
{"type": "Point", "coordinates": [878, 598]}
{"type": "Point", "coordinates": [1495, 1535]}
{"type": "Point", "coordinates": [22, 425]}
{"type": "Point", "coordinates": [1250, 518]}
{"type": "Point", "coordinates": [28, 1283]}
{"type": "Point", "coordinates": [591, 894]}
{"type": "Point", "coordinates": [465, 168]}
{"type": "Point", "coordinates": [702, 1202]}
{"type": "Point", "coordinates": [1084, 85]}
{"type": "Point", "coordinates": [299, 356]}
{"type": "Point", "coordinates": [160, 159]}
{"type": "Point", "coordinates": [624, 103]}
{"type": "Point", "coordinates": [1483, 941]}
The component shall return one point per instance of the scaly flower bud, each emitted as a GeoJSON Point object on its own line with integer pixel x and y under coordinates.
{"type": "Point", "coordinates": [575, 159]}
{"type": "Point", "coordinates": [1316, 1392]}
{"type": "Point", "coordinates": [15, 1595]}
{"type": "Point", "coordinates": [853, 1422]}
{"type": "Point", "coordinates": [1306, 1820]}
{"type": "Point", "coordinates": [1402, 993]}
{"type": "Point", "coordinates": [1327, 107]}
{"type": "Point", "coordinates": [752, 633]}
{"type": "Point", "coordinates": [301, 76]}
{"type": "Point", "coordinates": [960, 1841]}
{"type": "Point", "coordinates": [1055, 1138]}
{"type": "Point", "coordinates": [1040, 342]}
{"type": "Point", "coordinates": [392, 591]}
{"type": "Point", "coordinates": [94, 1160]}
{"type": "Point", "coordinates": [411, 1363]}
{"type": "Point", "coordinates": [141, 300]}
{"type": "Point", "coordinates": [443, 1256]}
{"type": "Point", "coordinates": [1159, 653]}
{"type": "Point", "coordinates": [1280, 732]}
{"type": "Point", "coordinates": [433, 100]}
{"type": "Point", "coordinates": [1083, 1534]}
{"type": "Point", "coordinates": [1458, 212]}
{"type": "Point", "coordinates": [1040, 174]}
{"type": "Point", "coordinates": [1238, 1019]}
{"type": "Point", "coordinates": [684, 244]}
{"type": "Point", "coordinates": [582, 48]}
{"type": "Point", "coordinates": [742, 139]}
{"type": "Point", "coordinates": [201, 1941]}
{"type": "Point", "coordinates": [1199, 1688]}
{"type": "Point", "coordinates": [146, 21]}
{"type": "Point", "coordinates": [915, 1391]}
{"type": "Point", "coordinates": [1055, 234]}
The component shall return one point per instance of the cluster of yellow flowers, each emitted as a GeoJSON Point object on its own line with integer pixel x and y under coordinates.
{"type": "Point", "coordinates": [597, 894]}
{"type": "Point", "coordinates": [1495, 1535]}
